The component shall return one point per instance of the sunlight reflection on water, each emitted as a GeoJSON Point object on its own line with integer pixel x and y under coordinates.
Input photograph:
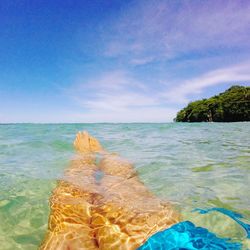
{"type": "Point", "coordinates": [193, 165]}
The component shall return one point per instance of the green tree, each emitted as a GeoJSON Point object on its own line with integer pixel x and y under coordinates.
{"type": "Point", "coordinates": [230, 106]}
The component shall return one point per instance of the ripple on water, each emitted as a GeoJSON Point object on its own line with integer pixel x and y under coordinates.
{"type": "Point", "coordinates": [195, 165]}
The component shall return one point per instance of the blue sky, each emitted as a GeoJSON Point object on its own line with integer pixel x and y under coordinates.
{"type": "Point", "coordinates": [118, 61]}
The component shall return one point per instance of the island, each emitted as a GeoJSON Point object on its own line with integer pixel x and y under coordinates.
{"type": "Point", "coordinates": [233, 105]}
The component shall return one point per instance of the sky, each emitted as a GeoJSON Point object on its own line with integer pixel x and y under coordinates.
{"type": "Point", "coordinates": [118, 61]}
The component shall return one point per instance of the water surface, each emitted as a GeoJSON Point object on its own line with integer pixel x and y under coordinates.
{"type": "Point", "coordinates": [199, 165]}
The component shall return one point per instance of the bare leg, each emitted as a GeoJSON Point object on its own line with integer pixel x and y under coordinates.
{"type": "Point", "coordinates": [72, 200]}
{"type": "Point", "coordinates": [116, 213]}
{"type": "Point", "coordinates": [130, 213]}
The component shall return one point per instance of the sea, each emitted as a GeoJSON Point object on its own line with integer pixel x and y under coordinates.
{"type": "Point", "coordinates": [196, 166]}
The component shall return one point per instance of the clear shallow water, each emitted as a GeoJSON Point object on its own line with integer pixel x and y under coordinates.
{"type": "Point", "coordinates": [193, 165]}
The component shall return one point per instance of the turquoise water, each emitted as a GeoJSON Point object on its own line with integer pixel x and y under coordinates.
{"type": "Point", "coordinates": [203, 165]}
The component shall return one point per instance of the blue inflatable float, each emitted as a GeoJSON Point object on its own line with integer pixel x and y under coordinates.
{"type": "Point", "coordinates": [186, 236]}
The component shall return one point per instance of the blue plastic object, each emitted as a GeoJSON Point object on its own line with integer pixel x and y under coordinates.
{"type": "Point", "coordinates": [186, 236]}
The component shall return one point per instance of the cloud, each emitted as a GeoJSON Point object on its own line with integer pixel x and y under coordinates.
{"type": "Point", "coordinates": [161, 30]}
{"type": "Point", "coordinates": [111, 90]}
{"type": "Point", "coordinates": [233, 74]}
{"type": "Point", "coordinates": [117, 96]}
{"type": "Point", "coordinates": [142, 60]}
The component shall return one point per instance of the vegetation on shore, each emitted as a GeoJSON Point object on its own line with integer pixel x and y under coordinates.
{"type": "Point", "coordinates": [230, 106]}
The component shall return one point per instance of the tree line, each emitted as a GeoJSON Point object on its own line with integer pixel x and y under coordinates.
{"type": "Point", "coordinates": [230, 106]}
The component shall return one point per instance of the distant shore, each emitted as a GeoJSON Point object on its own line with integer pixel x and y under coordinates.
{"type": "Point", "coordinates": [233, 105]}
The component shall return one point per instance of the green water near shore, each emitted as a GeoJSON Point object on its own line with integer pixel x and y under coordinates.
{"type": "Point", "coordinates": [197, 165]}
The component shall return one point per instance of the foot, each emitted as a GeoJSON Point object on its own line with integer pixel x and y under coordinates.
{"type": "Point", "coordinates": [86, 143]}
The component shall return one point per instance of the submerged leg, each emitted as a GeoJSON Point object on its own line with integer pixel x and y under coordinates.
{"type": "Point", "coordinates": [130, 213]}
{"type": "Point", "coordinates": [72, 200]}
{"type": "Point", "coordinates": [117, 212]}
{"type": "Point", "coordinates": [69, 221]}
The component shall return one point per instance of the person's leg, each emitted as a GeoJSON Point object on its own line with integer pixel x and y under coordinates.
{"type": "Point", "coordinates": [128, 213]}
{"type": "Point", "coordinates": [71, 202]}
{"type": "Point", "coordinates": [69, 221]}
{"type": "Point", "coordinates": [117, 212]}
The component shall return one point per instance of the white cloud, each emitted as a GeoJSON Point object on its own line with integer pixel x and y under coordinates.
{"type": "Point", "coordinates": [155, 32]}
{"type": "Point", "coordinates": [142, 60]}
{"type": "Point", "coordinates": [196, 85]}
{"type": "Point", "coordinates": [150, 30]}
{"type": "Point", "coordinates": [111, 90]}
{"type": "Point", "coordinates": [117, 96]}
